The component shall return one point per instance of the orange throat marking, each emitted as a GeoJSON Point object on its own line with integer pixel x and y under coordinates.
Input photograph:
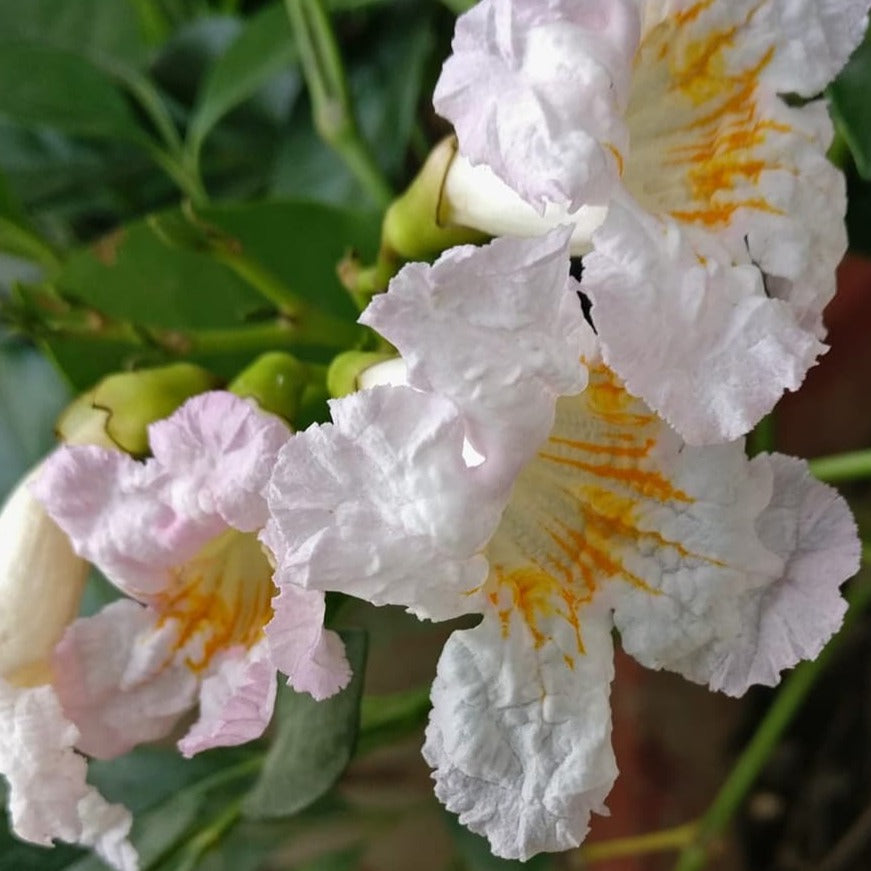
{"type": "Point", "coordinates": [220, 598]}
{"type": "Point", "coordinates": [594, 489]}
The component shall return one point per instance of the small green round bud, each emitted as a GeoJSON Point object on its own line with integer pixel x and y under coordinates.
{"type": "Point", "coordinates": [345, 370]}
{"type": "Point", "coordinates": [124, 404]}
{"type": "Point", "coordinates": [277, 381]}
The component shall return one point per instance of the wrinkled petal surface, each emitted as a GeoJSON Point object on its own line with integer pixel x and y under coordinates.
{"type": "Point", "coordinates": [537, 92]}
{"type": "Point", "coordinates": [120, 679]}
{"type": "Point", "coordinates": [498, 330]}
{"type": "Point", "coordinates": [136, 521]}
{"type": "Point", "coordinates": [236, 701]}
{"type": "Point", "coordinates": [49, 798]}
{"type": "Point", "coordinates": [519, 740]}
{"type": "Point", "coordinates": [313, 658]}
{"type": "Point", "coordinates": [810, 526]}
{"type": "Point", "coordinates": [368, 505]}
{"type": "Point", "coordinates": [692, 334]}
{"type": "Point", "coordinates": [220, 450]}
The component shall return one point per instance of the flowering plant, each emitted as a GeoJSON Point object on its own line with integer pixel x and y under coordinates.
{"type": "Point", "coordinates": [386, 431]}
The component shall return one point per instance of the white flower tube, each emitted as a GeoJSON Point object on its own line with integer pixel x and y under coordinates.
{"type": "Point", "coordinates": [41, 583]}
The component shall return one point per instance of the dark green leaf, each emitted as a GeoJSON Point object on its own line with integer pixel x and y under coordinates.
{"type": "Point", "coordinates": [96, 28]}
{"type": "Point", "coordinates": [385, 101]}
{"type": "Point", "coordinates": [850, 108]}
{"type": "Point", "coordinates": [65, 91]}
{"type": "Point", "coordinates": [135, 277]}
{"type": "Point", "coordinates": [313, 744]}
{"type": "Point", "coordinates": [261, 50]}
{"type": "Point", "coordinates": [169, 796]}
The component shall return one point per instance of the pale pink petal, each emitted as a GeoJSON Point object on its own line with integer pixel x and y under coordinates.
{"type": "Point", "coordinates": [689, 331]}
{"type": "Point", "coordinates": [499, 331]}
{"type": "Point", "coordinates": [381, 505]}
{"type": "Point", "coordinates": [49, 798]}
{"type": "Point", "coordinates": [313, 658]}
{"type": "Point", "coordinates": [219, 450]}
{"type": "Point", "coordinates": [117, 514]}
{"type": "Point", "coordinates": [119, 679]}
{"type": "Point", "coordinates": [236, 701]}
{"type": "Point", "coordinates": [537, 92]}
{"type": "Point", "coordinates": [519, 740]}
{"type": "Point", "coordinates": [810, 526]}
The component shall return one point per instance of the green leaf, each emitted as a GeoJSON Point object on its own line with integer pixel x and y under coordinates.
{"type": "Point", "coordinates": [31, 397]}
{"type": "Point", "coordinates": [65, 91]}
{"type": "Point", "coordinates": [170, 797]}
{"type": "Point", "coordinates": [385, 102]}
{"type": "Point", "coordinates": [313, 744]}
{"type": "Point", "coordinates": [849, 101]}
{"type": "Point", "coordinates": [261, 50]}
{"type": "Point", "coordinates": [96, 28]}
{"type": "Point", "coordinates": [135, 277]}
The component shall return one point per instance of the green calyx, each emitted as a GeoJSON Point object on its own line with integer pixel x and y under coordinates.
{"type": "Point", "coordinates": [122, 405]}
{"type": "Point", "coordinates": [285, 386]}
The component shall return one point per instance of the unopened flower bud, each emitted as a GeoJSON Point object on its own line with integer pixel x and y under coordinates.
{"type": "Point", "coordinates": [277, 381]}
{"type": "Point", "coordinates": [119, 409]}
{"type": "Point", "coordinates": [347, 371]}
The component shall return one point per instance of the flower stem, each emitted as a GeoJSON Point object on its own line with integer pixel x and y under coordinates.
{"type": "Point", "coordinates": [653, 842]}
{"type": "Point", "coordinates": [331, 104]}
{"type": "Point", "coordinates": [842, 467]}
{"type": "Point", "coordinates": [751, 761]}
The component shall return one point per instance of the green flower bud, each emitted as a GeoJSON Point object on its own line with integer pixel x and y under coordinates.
{"type": "Point", "coordinates": [344, 371]}
{"type": "Point", "coordinates": [278, 382]}
{"type": "Point", "coordinates": [124, 404]}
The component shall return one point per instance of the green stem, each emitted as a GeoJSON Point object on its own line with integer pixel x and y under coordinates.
{"type": "Point", "coordinates": [313, 330]}
{"type": "Point", "coordinates": [188, 182]}
{"type": "Point", "coordinates": [789, 699]}
{"type": "Point", "coordinates": [638, 845]}
{"type": "Point", "coordinates": [842, 467]}
{"type": "Point", "coordinates": [331, 104]}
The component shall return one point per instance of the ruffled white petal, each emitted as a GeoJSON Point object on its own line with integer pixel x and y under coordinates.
{"type": "Point", "coordinates": [499, 331]}
{"type": "Point", "coordinates": [313, 658]}
{"type": "Point", "coordinates": [220, 450]}
{"type": "Point", "coordinates": [809, 40]}
{"type": "Point", "coordinates": [537, 92]}
{"type": "Point", "coordinates": [119, 678]}
{"type": "Point", "coordinates": [48, 796]}
{"type": "Point", "coordinates": [791, 618]}
{"type": "Point", "coordinates": [236, 701]}
{"type": "Point", "coordinates": [41, 583]}
{"type": "Point", "coordinates": [369, 505]}
{"type": "Point", "coordinates": [687, 330]}
{"type": "Point", "coordinates": [520, 741]}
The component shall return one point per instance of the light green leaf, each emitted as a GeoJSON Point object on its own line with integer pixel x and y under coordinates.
{"type": "Point", "coordinates": [313, 743]}
{"type": "Point", "coordinates": [850, 108]}
{"type": "Point", "coordinates": [261, 50]}
{"type": "Point", "coordinates": [65, 91]}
